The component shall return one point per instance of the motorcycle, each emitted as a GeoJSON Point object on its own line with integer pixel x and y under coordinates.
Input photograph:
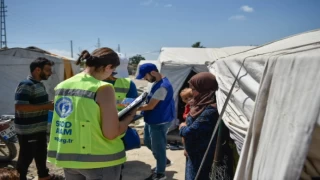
{"type": "Point", "coordinates": [8, 150]}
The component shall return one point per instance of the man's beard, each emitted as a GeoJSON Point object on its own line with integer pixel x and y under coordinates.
{"type": "Point", "coordinates": [43, 76]}
{"type": "Point", "coordinates": [153, 79]}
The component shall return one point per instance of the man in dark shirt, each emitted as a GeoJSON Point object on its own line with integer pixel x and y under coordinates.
{"type": "Point", "coordinates": [31, 115]}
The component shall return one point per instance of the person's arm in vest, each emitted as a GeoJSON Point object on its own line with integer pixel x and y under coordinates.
{"type": "Point", "coordinates": [158, 96]}
{"type": "Point", "coordinates": [111, 126]}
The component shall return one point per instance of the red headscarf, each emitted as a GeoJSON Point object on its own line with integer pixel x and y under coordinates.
{"type": "Point", "coordinates": [205, 83]}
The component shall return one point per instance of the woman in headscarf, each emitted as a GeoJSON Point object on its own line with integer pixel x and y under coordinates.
{"type": "Point", "coordinates": [200, 124]}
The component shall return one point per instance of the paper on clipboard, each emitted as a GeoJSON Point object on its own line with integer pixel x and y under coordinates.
{"type": "Point", "coordinates": [136, 103]}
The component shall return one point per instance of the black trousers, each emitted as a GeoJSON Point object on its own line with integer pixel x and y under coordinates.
{"type": "Point", "coordinates": [33, 146]}
{"type": "Point", "coordinates": [122, 166]}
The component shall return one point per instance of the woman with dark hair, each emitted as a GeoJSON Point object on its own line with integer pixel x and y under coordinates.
{"type": "Point", "coordinates": [199, 125]}
{"type": "Point", "coordinates": [86, 132]}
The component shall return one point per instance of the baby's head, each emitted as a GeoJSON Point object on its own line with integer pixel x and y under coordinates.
{"type": "Point", "coordinates": [186, 95]}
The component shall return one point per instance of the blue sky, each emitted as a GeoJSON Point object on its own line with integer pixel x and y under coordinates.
{"type": "Point", "coordinates": [142, 26]}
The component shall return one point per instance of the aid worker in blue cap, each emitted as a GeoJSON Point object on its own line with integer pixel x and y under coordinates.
{"type": "Point", "coordinates": [158, 114]}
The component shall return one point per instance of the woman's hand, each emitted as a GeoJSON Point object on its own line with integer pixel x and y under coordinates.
{"type": "Point", "coordinates": [182, 125]}
{"type": "Point", "coordinates": [132, 113]}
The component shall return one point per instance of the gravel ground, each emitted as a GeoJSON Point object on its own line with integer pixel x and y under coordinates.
{"type": "Point", "coordinates": [138, 165]}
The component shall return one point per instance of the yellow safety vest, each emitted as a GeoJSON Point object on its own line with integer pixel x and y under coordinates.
{"type": "Point", "coordinates": [121, 88]}
{"type": "Point", "coordinates": [76, 139]}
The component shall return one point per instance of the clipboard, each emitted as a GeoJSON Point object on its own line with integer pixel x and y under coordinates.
{"type": "Point", "coordinates": [136, 103]}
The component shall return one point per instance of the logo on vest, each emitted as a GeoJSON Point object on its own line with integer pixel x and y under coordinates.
{"type": "Point", "coordinates": [64, 107]}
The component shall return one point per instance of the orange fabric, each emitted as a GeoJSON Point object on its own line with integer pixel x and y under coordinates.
{"type": "Point", "coordinates": [67, 69]}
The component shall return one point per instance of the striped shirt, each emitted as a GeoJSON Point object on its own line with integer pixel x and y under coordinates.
{"type": "Point", "coordinates": [31, 91]}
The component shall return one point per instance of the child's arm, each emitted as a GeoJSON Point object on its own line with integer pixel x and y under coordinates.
{"type": "Point", "coordinates": [186, 111]}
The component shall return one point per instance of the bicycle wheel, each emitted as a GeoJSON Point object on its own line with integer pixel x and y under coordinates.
{"type": "Point", "coordinates": [8, 150]}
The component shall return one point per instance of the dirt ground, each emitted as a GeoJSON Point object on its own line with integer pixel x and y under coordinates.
{"type": "Point", "coordinates": [140, 162]}
{"type": "Point", "coordinates": [138, 165]}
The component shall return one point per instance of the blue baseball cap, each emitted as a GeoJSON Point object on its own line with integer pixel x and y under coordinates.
{"type": "Point", "coordinates": [145, 69]}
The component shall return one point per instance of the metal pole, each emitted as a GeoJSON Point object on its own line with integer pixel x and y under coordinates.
{"type": "Point", "coordinates": [4, 25]}
{"type": "Point", "coordinates": [3, 33]}
{"type": "Point", "coordinates": [71, 48]}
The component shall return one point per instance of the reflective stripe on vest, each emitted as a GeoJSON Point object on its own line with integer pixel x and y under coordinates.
{"type": "Point", "coordinates": [121, 90]}
{"type": "Point", "coordinates": [75, 92]}
{"type": "Point", "coordinates": [122, 85]}
{"type": "Point", "coordinates": [85, 157]}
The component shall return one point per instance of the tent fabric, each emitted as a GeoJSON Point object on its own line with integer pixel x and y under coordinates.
{"type": "Point", "coordinates": [286, 111]}
{"type": "Point", "coordinates": [197, 55]}
{"type": "Point", "coordinates": [275, 105]}
{"type": "Point", "coordinates": [15, 66]}
{"type": "Point", "coordinates": [241, 106]}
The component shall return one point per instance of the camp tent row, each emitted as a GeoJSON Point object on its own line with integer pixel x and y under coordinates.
{"type": "Point", "coordinates": [14, 67]}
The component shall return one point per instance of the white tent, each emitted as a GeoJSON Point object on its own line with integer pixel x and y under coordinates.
{"type": "Point", "coordinates": [274, 108]}
{"type": "Point", "coordinates": [14, 67]}
{"type": "Point", "coordinates": [122, 69]}
{"type": "Point", "coordinates": [179, 64]}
